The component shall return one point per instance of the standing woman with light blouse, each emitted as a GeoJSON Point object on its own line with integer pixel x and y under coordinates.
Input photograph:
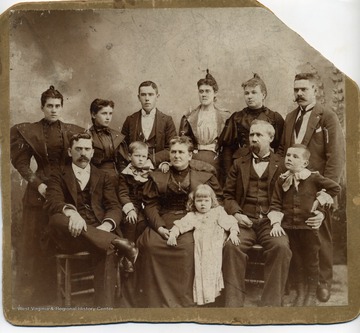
{"type": "Point", "coordinates": [47, 141]}
{"type": "Point", "coordinates": [205, 124]}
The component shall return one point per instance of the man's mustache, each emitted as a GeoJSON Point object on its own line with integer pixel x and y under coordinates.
{"type": "Point", "coordinates": [83, 159]}
{"type": "Point", "coordinates": [299, 99]}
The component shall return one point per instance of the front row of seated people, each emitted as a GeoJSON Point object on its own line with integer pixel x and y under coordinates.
{"type": "Point", "coordinates": [164, 273]}
{"type": "Point", "coordinates": [176, 268]}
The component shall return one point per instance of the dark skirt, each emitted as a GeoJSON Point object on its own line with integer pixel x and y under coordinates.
{"type": "Point", "coordinates": [165, 274]}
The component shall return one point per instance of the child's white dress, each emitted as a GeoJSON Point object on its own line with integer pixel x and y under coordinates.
{"type": "Point", "coordinates": [209, 236]}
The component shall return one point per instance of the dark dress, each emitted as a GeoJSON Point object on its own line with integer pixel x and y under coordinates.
{"type": "Point", "coordinates": [165, 274]}
{"type": "Point", "coordinates": [110, 151]}
{"type": "Point", "coordinates": [234, 139]}
{"type": "Point", "coordinates": [46, 142]}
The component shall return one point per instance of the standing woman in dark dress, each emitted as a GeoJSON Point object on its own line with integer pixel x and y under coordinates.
{"type": "Point", "coordinates": [47, 141]}
{"type": "Point", "coordinates": [110, 148]}
{"type": "Point", "coordinates": [205, 123]}
{"type": "Point", "coordinates": [234, 140]}
{"type": "Point", "coordinates": [165, 274]}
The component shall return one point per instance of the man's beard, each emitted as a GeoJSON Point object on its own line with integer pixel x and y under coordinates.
{"type": "Point", "coordinates": [255, 148]}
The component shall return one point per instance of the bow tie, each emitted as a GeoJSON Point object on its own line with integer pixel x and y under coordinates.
{"type": "Point", "coordinates": [294, 178]}
{"type": "Point", "coordinates": [104, 130]}
{"type": "Point", "coordinates": [261, 159]}
{"type": "Point", "coordinates": [140, 174]}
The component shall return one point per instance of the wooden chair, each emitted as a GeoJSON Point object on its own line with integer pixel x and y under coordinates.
{"type": "Point", "coordinates": [255, 265]}
{"type": "Point", "coordinates": [75, 277]}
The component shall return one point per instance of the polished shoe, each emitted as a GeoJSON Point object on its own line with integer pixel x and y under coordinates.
{"type": "Point", "coordinates": [126, 248]}
{"type": "Point", "coordinates": [323, 292]}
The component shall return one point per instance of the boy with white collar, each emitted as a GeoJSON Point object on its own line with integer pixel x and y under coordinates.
{"type": "Point", "coordinates": [292, 204]}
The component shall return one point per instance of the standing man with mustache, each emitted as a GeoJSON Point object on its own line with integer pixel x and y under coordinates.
{"type": "Point", "coordinates": [320, 131]}
{"type": "Point", "coordinates": [247, 195]}
{"type": "Point", "coordinates": [84, 211]}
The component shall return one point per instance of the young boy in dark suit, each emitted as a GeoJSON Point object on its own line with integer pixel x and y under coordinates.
{"type": "Point", "coordinates": [292, 204]}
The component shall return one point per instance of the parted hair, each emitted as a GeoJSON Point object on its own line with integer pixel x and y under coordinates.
{"type": "Point", "coordinates": [306, 76]}
{"type": "Point", "coordinates": [76, 137]}
{"type": "Point", "coordinates": [97, 104]}
{"type": "Point", "coordinates": [201, 191]}
{"type": "Point", "coordinates": [51, 93]}
{"type": "Point", "coordinates": [149, 84]}
{"type": "Point", "coordinates": [182, 140]}
{"type": "Point", "coordinates": [305, 151]}
{"type": "Point", "coordinates": [135, 145]}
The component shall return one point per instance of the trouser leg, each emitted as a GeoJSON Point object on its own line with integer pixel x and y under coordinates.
{"type": "Point", "coordinates": [277, 261]}
{"type": "Point", "coordinates": [234, 268]}
{"type": "Point", "coordinates": [326, 251]}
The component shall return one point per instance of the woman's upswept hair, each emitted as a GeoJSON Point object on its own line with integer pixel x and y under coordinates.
{"type": "Point", "coordinates": [51, 93]}
{"type": "Point", "coordinates": [256, 81]}
{"type": "Point", "coordinates": [201, 191]}
{"type": "Point", "coordinates": [209, 81]}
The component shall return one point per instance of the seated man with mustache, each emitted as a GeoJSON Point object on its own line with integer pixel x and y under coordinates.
{"type": "Point", "coordinates": [84, 211]}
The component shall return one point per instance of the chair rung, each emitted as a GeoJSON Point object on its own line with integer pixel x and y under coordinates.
{"type": "Point", "coordinates": [84, 278]}
{"type": "Point", "coordinates": [82, 292]}
{"type": "Point", "coordinates": [254, 281]}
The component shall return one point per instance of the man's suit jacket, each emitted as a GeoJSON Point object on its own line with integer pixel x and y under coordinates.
{"type": "Point", "coordinates": [62, 190]}
{"type": "Point", "coordinates": [162, 132]}
{"type": "Point", "coordinates": [27, 140]}
{"type": "Point", "coordinates": [324, 138]}
{"type": "Point", "coordinates": [237, 181]}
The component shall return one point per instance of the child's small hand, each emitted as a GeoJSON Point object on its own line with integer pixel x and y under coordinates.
{"type": "Point", "coordinates": [234, 238]}
{"type": "Point", "coordinates": [171, 240]}
{"type": "Point", "coordinates": [277, 230]}
{"type": "Point", "coordinates": [131, 217]}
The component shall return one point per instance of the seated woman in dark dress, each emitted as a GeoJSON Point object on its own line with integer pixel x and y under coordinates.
{"type": "Point", "coordinates": [165, 274]}
{"type": "Point", "coordinates": [110, 148]}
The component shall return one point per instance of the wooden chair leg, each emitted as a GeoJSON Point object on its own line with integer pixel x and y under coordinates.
{"type": "Point", "coordinates": [59, 282]}
{"type": "Point", "coordinates": [67, 283]}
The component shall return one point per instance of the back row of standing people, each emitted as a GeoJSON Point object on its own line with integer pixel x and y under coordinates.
{"type": "Point", "coordinates": [218, 138]}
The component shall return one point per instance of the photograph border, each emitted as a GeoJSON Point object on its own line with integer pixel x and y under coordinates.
{"type": "Point", "coordinates": [230, 316]}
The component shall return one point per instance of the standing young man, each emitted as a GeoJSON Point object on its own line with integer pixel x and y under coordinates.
{"type": "Point", "coordinates": [150, 125]}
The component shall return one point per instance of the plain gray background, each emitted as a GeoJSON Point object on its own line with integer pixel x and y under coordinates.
{"type": "Point", "coordinates": [334, 33]}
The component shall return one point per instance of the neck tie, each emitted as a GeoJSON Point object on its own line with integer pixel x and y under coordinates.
{"type": "Point", "coordinates": [299, 121]}
{"type": "Point", "coordinates": [262, 159]}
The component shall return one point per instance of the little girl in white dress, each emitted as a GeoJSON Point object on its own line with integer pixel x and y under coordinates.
{"type": "Point", "coordinates": [209, 222]}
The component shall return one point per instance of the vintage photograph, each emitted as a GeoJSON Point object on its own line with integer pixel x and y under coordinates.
{"type": "Point", "coordinates": [174, 158]}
